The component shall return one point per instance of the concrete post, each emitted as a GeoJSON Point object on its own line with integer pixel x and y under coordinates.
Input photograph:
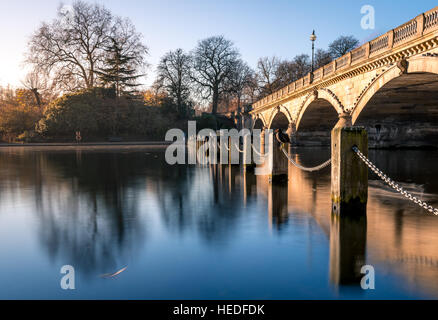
{"type": "Point", "coordinates": [262, 141]}
{"type": "Point", "coordinates": [349, 174]}
{"type": "Point", "coordinates": [291, 131]}
{"type": "Point", "coordinates": [247, 156]}
{"type": "Point", "coordinates": [280, 163]}
{"type": "Point", "coordinates": [218, 150]}
{"type": "Point", "coordinates": [233, 152]}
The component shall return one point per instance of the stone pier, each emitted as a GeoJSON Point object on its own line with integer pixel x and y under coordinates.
{"type": "Point", "coordinates": [349, 177]}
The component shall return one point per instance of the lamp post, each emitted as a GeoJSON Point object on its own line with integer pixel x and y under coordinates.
{"type": "Point", "coordinates": [313, 38]}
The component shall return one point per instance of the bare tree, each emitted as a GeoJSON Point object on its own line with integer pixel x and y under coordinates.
{"type": "Point", "coordinates": [342, 45]}
{"type": "Point", "coordinates": [322, 57]}
{"type": "Point", "coordinates": [267, 69]}
{"type": "Point", "coordinates": [252, 90]}
{"type": "Point", "coordinates": [214, 61]}
{"type": "Point", "coordinates": [35, 83]}
{"type": "Point", "coordinates": [174, 75]}
{"type": "Point", "coordinates": [241, 79]}
{"type": "Point", "coordinates": [276, 74]}
{"type": "Point", "coordinates": [285, 73]}
{"type": "Point", "coordinates": [302, 66]}
{"type": "Point", "coordinates": [72, 47]}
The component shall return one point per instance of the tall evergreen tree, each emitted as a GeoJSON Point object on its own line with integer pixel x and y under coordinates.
{"type": "Point", "coordinates": [120, 71]}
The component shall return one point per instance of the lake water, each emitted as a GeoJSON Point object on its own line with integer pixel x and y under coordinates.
{"type": "Point", "coordinates": [193, 232]}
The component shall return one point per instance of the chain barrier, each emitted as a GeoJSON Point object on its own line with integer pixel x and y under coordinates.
{"type": "Point", "coordinates": [238, 149]}
{"type": "Point", "coordinates": [317, 168]}
{"type": "Point", "coordinates": [255, 150]}
{"type": "Point", "coordinates": [394, 185]}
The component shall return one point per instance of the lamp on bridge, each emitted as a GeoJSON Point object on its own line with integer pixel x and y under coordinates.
{"type": "Point", "coordinates": [313, 38]}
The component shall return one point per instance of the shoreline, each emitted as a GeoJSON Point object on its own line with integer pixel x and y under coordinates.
{"type": "Point", "coordinates": [86, 144]}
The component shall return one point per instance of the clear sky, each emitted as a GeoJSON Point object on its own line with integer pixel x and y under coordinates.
{"type": "Point", "coordinates": [257, 27]}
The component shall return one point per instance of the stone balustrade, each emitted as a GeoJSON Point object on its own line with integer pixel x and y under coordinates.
{"type": "Point", "coordinates": [413, 29]}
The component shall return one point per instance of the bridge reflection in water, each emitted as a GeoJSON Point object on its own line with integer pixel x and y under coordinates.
{"type": "Point", "coordinates": [101, 209]}
{"type": "Point", "coordinates": [396, 237]}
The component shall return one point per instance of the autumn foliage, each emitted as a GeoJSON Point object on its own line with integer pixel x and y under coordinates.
{"type": "Point", "coordinates": [98, 114]}
{"type": "Point", "coordinates": [18, 113]}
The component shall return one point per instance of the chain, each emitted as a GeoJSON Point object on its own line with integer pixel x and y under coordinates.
{"type": "Point", "coordinates": [320, 167]}
{"type": "Point", "coordinates": [238, 149]}
{"type": "Point", "coordinates": [394, 185]}
{"type": "Point", "coordinates": [226, 146]}
{"type": "Point", "coordinates": [255, 150]}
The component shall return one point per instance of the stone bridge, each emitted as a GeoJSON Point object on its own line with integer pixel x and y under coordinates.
{"type": "Point", "coordinates": [389, 85]}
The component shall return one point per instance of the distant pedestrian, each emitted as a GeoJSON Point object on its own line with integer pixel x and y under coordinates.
{"type": "Point", "coordinates": [78, 137]}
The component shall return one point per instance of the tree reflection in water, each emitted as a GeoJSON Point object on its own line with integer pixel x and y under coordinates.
{"type": "Point", "coordinates": [100, 209]}
{"type": "Point", "coordinates": [87, 204]}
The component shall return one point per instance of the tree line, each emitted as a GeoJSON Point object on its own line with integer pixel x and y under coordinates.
{"type": "Point", "coordinates": [213, 71]}
{"type": "Point", "coordinates": [87, 52]}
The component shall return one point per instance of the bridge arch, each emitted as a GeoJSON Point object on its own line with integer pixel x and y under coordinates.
{"type": "Point", "coordinates": [317, 116]}
{"type": "Point", "coordinates": [400, 106]}
{"type": "Point", "coordinates": [280, 118]}
{"type": "Point", "coordinates": [416, 65]}
{"type": "Point", "coordinates": [259, 123]}
{"type": "Point", "coordinates": [318, 101]}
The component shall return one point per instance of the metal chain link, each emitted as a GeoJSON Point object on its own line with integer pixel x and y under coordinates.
{"type": "Point", "coordinates": [317, 168]}
{"type": "Point", "coordinates": [226, 146]}
{"type": "Point", "coordinates": [394, 185]}
{"type": "Point", "coordinates": [238, 149]}
{"type": "Point", "coordinates": [255, 150]}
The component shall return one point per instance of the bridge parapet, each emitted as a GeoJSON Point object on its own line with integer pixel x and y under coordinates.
{"type": "Point", "coordinates": [380, 43]}
{"type": "Point", "coordinates": [431, 19]}
{"type": "Point", "coordinates": [379, 48]}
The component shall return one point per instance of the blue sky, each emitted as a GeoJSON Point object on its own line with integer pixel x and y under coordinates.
{"type": "Point", "coordinates": [257, 27]}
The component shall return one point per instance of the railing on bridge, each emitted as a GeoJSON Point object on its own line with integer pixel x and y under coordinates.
{"type": "Point", "coordinates": [423, 24]}
{"type": "Point", "coordinates": [379, 44]}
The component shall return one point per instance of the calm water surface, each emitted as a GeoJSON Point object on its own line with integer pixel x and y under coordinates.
{"type": "Point", "coordinates": [191, 232]}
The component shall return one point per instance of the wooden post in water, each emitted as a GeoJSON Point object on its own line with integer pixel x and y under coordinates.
{"type": "Point", "coordinates": [280, 163]}
{"type": "Point", "coordinates": [262, 141]}
{"type": "Point", "coordinates": [349, 174]}
{"type": "Point", "coordinates": [247, 155]}
{"type": "Point", "coordinates": [233, 152]}
{"type": "Point", "coordinates": [292, 133]}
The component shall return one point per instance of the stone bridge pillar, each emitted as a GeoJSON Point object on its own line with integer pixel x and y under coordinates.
{"type": "Point", "coordinates": [349, 179]}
